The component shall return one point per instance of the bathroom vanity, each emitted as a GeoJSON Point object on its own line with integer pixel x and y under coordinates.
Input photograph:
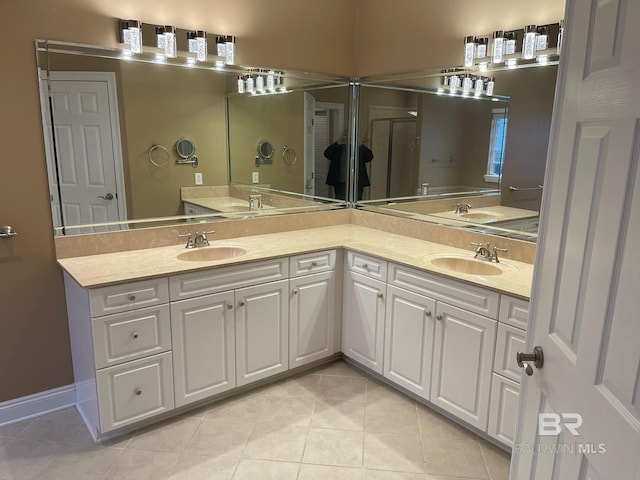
{"type": "Point", "coordinates": [160, 330]}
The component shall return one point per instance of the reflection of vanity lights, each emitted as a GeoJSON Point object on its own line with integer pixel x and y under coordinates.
{"type": "Point", "coordinates": [529, 41]}
{"type": "Point", "coordinates": [230, 50]}
{"type": "Point", "coordinates": [221, 45]}
{"type": "Point", "coordinates": [469, 50]}
{"type": "Point", "coordinates": [498, 46]}
{"type": "Point", "coordinates": [250, 85]}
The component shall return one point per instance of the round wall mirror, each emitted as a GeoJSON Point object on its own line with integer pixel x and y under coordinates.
{"type": "Point", "coordinates": [185, 147]}
{"type": "Point", "coordinates": [265, 149]}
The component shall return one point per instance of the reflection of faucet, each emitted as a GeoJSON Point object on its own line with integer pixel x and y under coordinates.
{"type": "Point", "coordinates": [200, 239]}
{"type": "Point", "coordinates": [484, 253]}
{"type": "Point", "coordinates": [462, 207]}
{"type": "Point", "coordinates": [424, 189]}
{"type": "Point", "coordinates": [255, 202]}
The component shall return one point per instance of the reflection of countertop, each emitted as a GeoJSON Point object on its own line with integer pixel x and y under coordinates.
{"type": "Point", "coordinates": [220, 204]}
{"type": "Point", "coordinates": [105, 269]}
{"type": "Point", "coordinates": [492, 214]}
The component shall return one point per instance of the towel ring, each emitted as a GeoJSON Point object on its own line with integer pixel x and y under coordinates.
{"type": "Point", "coordinates": [158, 147]}
{"type": "Point", "coordinates": [289, 155]}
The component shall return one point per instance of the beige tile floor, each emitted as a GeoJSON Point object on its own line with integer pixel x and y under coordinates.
{"type": "Point", "coordinates": [332, 423]}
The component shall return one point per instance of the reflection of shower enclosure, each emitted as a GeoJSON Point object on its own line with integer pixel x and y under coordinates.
{"type": "Point", "coordinates": [396, 146]}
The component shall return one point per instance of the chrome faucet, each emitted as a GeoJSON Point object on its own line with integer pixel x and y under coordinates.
{"type": "Point", "coordinates": [484, 253]}
{"type": "Point", "coordinates": [462, 207]}
{"type": "Point", "coordinates": [255, 202]}
{"type": "Point", "coordinates": [199, 240]}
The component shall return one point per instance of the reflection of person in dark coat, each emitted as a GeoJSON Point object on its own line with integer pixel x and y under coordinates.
{"type": "Point", "coordinates": [337, 175]}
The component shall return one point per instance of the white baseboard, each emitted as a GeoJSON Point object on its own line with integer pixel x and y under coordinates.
{"type": "Point", "coordinates": [41, 403]}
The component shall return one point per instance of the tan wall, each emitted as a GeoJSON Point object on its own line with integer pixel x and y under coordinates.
{"type": "Point", "coordinates": [406, 35]}
{"type": "Point", "coordinates": [313, 36]}
{"type": "Point", "coordinates": [34, 345]}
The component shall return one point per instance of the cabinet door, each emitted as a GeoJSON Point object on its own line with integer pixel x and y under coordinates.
{"type": "Point", "coordinates": [408, 347]}
{"type": "Point", "coordinates": [203, 340]}
{"type": "Point", "coordinates": [262, 331]}
{"type": "Point", "coordinates": [312, 318]}
{"type": "Point", "coordinates": [463, 358]}
{"type": "Point", "coordinates": [363, 320]}
{"type": "Point", "coordinates": [504, 409]}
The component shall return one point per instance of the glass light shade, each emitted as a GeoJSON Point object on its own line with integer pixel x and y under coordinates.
{"type": "Point", "coordinates": [469, 50]}
{"type": "Point", "coordinates": [529, 42]}
{"type": "Point", "coordinates": [135, 36]}
{"type": "Point", "coordinates": [201, 46]}
{"type": "Point", "coordinates": [490, 84]}
{"type": "Point", "coordinates": [221, 47]}
{"type": "Point", "coordinates": [251, 84]}
{"type": "Point", "coordinates": [170, 46]}
{"type": "Point", "coordinates": [467, 85]}
{"type": "Point", "coordinates": [271, 81]}
{"type": "Point", "coordinates": [510, 44]}
{"type": "Point", "coordinates": [260, 84]}
{"type": "Point", "coordinates": [497, 49]}
{"type": "Point", "coordinates": [230, 50]}
{"type": "Point", "coordinates": [479, 86]}
{"type": "Point", "coordinates": [240, 85]}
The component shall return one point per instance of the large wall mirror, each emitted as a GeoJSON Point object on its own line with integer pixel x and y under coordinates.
{"type": "Point", "coordinates": [115, 125]}
{"type": "Point", "coordinates": [475, 162]}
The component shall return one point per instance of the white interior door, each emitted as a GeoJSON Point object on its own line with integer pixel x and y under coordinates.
{"type": "Point", "coordinates": [585, 299]}
{"type": "Point", "coordinates": [87, 149]}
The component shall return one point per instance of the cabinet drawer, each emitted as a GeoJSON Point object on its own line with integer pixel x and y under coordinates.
{"type": "Point", "coordinates": [312, 263]}
{"type": "Point", "coordinates": [503, 414]}
{"type": "Point", "coordinates": [215, 280]}
{"type": "Point", "coordinates": [468, 297]}
{"type": "Point", "coordinates": [514, 311]}
{"type": "Point", "coordinates": [509, 341]}
{"type": "Point", "coordinates": [126, 336]}
{"type": "Point", "coordinates": [134, 391]}
{"type": "Point", "coordinates": [128, 296]}
{"type": "Point", "coordinates": [366, 265]}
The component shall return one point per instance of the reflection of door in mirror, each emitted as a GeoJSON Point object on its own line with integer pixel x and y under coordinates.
{"type": "Point", "coordinates": [329, 124]}
{"type": "Point", "coordinates": [87, 165]}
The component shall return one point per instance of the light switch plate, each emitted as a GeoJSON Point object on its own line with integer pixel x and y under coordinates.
{"type": "Point", "coordinates": [255, 177]}
{"type": "Point", "coordinates": [198, 178]}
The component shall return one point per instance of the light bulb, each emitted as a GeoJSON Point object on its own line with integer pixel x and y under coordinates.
{"type": "Point", "coordinates": [510, 43]}
{"type": "Point", "coordinates": [230, 49]}
{"type": "Point", "coordinates": [221, 46]}
{"type": "Point", "coordinates": [469, 50]}
{"type": "Point", "coordinates": [135, 36]}
{"type": "Point", "coordinates": [251, 84]}
{"type": "Point", "coordinates": [271, 81]}
{"type": "Point", "coordinates": [170, 48]}
{"type": "Point", "coordinates": [498, 46]}
{"type": "Point", "coordinates": [490, 84]}
{"type": "Point", "coordinates": [529, 41]}
{"type": "Point", "coordinates": [201, 46]}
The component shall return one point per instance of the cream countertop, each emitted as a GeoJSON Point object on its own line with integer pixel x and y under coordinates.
{"type": "Point", "coordinates": [105, 269]}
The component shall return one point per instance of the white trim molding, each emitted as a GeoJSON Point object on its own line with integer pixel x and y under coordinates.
{"type": "Point", "coordinates": [36, 405]}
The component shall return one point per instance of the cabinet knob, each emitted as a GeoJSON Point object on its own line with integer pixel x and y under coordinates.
{"type": "Point", "coordinates": [132, 297]}
{"type": "Point", "coordinates": [241, 303]}
{"type": "Point", "coordinates": [138, 391]}
{"type": "Point", "coordinates": [314, 264]}
{"type": "Point", "coordinates": [380, 295]}
{"type": "Point", "coordinates": [365, 266]}
{"type": "Point", "coordinates": [439, 317]}
{"type": "Point", "coordinates": [295, 291]}
{"type": "Point", "coordinates": [427, 313]}
{"type": "Point", "coordinates": [134, 335]}
{"type": "Point", "coordinates": [230, 306]}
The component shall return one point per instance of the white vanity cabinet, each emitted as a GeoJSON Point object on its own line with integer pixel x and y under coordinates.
{"type": "Point", "coordinates": [363, 311]}
{"type": "Point", "coordinates": [122, 359]}
{"type": "Point", "coordinates": [505, 382]}
{"type": "Point", "coordinates": [313, 315]}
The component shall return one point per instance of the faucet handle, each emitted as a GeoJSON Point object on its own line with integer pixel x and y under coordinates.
{"type": "Point", "coordinates": [495, 253]}
{"type": "Point", "coordinates": [189, 239]}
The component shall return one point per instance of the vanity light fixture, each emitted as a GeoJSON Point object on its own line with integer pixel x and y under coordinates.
{"type": "Point", "coordinates": [201, 46]}
{"type": "Point", "coordinates": [170, 43]}
{"type": "Point", "coordinates": [510, 43]}
{"type": "Point", "coordinates": [542, 38]}
{"type": "Point", "coordinates": [498, 46]}
{"type": "Point", "coordinates": [191, 39]}
{"type": "Point", "coordinates": [131, 34]}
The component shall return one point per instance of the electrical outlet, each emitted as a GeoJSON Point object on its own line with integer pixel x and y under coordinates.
{"type": "Point", "coordinates": [198, 178]}
{"type": "Point", "coordinates": [255, 177]}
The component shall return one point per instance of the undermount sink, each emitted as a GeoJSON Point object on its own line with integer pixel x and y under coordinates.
{"type": "Point", "coordinates": [465, 265]}
{"type": "Point", "coordinates": [208, 254]}
{"type": "Point", "coordinates": [480, 217]}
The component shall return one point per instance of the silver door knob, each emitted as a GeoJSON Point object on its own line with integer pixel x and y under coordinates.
{"type": "Point", "coordinates": [525, 360]}
{"type": "Point", "coordinates": [108, 196]}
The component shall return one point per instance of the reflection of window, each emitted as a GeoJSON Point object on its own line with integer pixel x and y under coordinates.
{"type": "Point", "coordinates": [496, 145]}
